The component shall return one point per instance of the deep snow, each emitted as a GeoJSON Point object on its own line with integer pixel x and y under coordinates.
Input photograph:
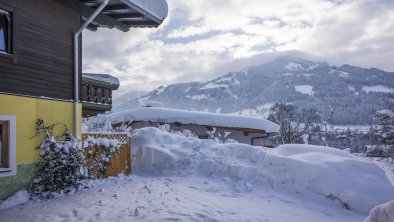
{"type": "Point", "coordinates": [179, 178]}
{"type": "Point", "coordinates": [327, 172]}
{"type": "Point", "coordinates": [180, 198]}
{"type": "Point", "coordinates": [165, 115]}
{"type": "Point", "coordinates": [382, 213]}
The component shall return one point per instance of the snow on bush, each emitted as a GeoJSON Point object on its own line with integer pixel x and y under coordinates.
{"type": "Point", "coordinates": [332, 173]}
{"type": "Point", "coordinates": [95, 164]}
{"type": "Point", "coordinates": [382, 213]}
{"type": "Point", "coordinates": [60, 161]}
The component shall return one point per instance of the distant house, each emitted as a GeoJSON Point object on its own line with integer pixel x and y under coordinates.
{"type": "Point", "coordinates": [204, 125]}
{"type": "Point", "coordinates": [41, 66]}
{"type": "Point", "coordinates": [96, 93]}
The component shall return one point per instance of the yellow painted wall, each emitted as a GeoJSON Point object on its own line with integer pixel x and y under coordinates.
{"type": "Point", "coordinates": [27, 111]}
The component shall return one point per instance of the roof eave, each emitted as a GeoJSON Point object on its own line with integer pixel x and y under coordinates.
{"type": "Point", "coordinates": [143, 11]}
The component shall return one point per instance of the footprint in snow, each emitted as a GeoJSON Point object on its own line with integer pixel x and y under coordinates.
{"type": "Point", "coordinates": [100, 203]}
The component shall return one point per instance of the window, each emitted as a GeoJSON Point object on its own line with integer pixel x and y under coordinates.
{"type": "Point", "coordinates": [7, 146]}
{"type": "Point", "coordinates": [5, 31]}
{"type": "Point", "coordinates": [4, 163]}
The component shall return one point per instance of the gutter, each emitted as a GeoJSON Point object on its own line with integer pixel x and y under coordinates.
{"type": "Point", "coordinates": [76, 64]}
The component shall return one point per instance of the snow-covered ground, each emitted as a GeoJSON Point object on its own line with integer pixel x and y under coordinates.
{"type": "Point", "coordinates": [180, 198]}
{"type": "Point", "coordinates": [377, 88]}
{"type": "Point", "coordinates": [304, 89]}
{"type": "Point", "coordinates": [385, 164]}
{"type": "Point", "coordinates": [179, 178]}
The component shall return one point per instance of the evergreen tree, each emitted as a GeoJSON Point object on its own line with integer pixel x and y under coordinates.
{"type": "Point", "coordinates": [386, 131]}
{"type": "Point", "coordinates": [386, 119]}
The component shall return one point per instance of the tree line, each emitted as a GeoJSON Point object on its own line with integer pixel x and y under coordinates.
{"type": "Point", "coordinates": [311, 127]}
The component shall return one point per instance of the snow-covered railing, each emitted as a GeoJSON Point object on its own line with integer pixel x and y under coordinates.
{"type": "Point", "coordinates": [121, 137]}
{"type": "Point", "coordinates": [106, 154]}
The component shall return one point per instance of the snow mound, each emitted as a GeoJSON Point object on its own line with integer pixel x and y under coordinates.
{"type": "Point", "coordinates": [382, 213]}
{"type": "Point", "coordinates": [18, 198]}
{"type": "Point", "coordinates": [354, 184]}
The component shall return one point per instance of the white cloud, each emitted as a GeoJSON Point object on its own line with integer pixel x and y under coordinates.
{"type": "Point", "coordinates": [200, 37]}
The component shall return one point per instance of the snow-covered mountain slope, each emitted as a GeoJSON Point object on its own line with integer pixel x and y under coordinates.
{"type": "Point", "coordinates": [128, 100]}
{"type": "Point", "coordinates": [357, 92]}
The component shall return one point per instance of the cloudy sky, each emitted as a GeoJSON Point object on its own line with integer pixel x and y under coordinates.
{"type": "Point", "coordinates": [203, 39]}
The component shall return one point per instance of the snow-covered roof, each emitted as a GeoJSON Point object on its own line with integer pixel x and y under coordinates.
{"type": "Point", "coordinates": [121, 14]}
{"type": "Point", "coordinates": [386, 112]}
{"type": "Point", "coordinates": [105, 78]}
{"type": "Point", "coordinates": [165, 115]}
{"type": "Point", "coordinates": [157, 9]}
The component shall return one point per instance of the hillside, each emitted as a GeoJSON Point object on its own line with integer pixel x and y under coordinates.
{"type": "Point", "coordinates": [357, 92]}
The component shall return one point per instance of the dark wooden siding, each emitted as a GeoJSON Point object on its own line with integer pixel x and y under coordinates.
{"type": "Point", "coordinates": [42, 59]}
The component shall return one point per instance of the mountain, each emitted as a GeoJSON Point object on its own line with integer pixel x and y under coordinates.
{"type": "Point", "coordinates": [127, 101]}
{"type": "Point", "coordinates": [356, 92]}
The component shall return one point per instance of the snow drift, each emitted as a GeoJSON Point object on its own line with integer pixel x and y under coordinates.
{"type": "Point", "coordinates": [355, 184]}
{"type": "Point", "coordinates": [382, 213]}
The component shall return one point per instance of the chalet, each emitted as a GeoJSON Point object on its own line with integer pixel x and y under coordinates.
{"type": "Point", "coordinates": [248, 130]}
{"type": "Point", "coordinates": [40, 70]}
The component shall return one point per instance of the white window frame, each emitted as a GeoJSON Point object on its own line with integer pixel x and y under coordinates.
{"type": "Point", "coordinates": [8, 43]}
{"type": "Point", "coordinates": [11, 171]}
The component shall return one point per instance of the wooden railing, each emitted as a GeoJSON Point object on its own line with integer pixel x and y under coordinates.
{"type": "Point", "coordinates": [96, 94]}
{"type": "Point", "coordinates": [120, 162]}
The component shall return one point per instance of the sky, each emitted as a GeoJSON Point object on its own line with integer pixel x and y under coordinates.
{"type": "Point", "coordinates": [203, 39]}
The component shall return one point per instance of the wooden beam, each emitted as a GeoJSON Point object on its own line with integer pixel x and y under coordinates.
{"type": "Point", "coordinates": [111, 8]}
{"type": "Point", "coordinates": [127, 15]}
{"type": "Point", "coordinates": [141, 23]}
{"type": "Point", "coordinates": [86, 11]}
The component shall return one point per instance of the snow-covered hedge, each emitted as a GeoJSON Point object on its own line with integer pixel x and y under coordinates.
{"type": "Point", "coordinates": [353, 183]}
{"type": "Point", "coordinates": [99, 163]}
{"type": "Point", "coordinates": [60, 160]}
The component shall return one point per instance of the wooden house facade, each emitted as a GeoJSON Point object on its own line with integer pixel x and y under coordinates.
{"type": "Point", "coordinates": [40, 69]}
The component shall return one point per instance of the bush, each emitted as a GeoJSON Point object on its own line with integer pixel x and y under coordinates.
{"type": "Point", "coordinates": [58, 170]}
